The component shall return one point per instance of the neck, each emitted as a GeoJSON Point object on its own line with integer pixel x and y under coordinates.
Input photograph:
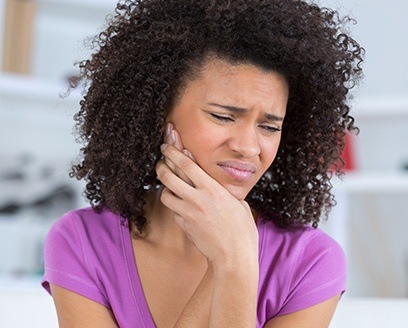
{"type": "Point", "coordinates": [161, 230]}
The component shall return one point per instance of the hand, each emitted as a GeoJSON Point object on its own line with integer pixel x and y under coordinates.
{"type": "Point", "coordinates": [172, 137]}
{"type": "Point", "coordinates": [221, 226]}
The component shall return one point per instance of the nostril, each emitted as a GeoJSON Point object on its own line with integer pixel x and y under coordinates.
{"type": "Point", "coordinates": [246, 146]}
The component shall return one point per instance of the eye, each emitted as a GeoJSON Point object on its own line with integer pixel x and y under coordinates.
{"type": "Point", "coordinates": [270, 129]}
{"type": "Point", "coordinates": [222, 118]}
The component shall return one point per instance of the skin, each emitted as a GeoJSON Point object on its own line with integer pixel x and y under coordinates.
{"type": "Point", "coordinates": [222, 116]}
{"type": "Point", "coordinates": [222, 135]}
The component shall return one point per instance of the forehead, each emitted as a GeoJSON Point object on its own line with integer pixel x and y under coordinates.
{"type": "Point", "coordinates": [237, 83]}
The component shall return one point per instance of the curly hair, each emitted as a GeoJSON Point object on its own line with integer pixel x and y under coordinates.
{"type": "Point", "coordinates": [151, 48]}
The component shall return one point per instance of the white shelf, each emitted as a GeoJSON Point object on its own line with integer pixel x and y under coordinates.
{"type": "Point", "coordinates": [21, 86]}
{"type": "Point", "coordinates": [27, 282]}
{"type": "Point", "coordinates": [372, 182]}
{"type": "Point", "coordinates": [96, 4]}
{"type": "Point", "coordinates": [380, 107]}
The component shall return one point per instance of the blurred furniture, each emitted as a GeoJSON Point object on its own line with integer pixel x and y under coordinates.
{"type": "Point", "coordinates": [18, 30]}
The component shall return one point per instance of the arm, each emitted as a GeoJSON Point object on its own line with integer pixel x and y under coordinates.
{"type": "Point", "coordinates": [76, 311]}
{"type": "Point", "coordinates": [224, 232]}
{"type": "Point", "coordinates": [235, 296]}
{"type": "Point", "coordinates": [203, 303]}
{"type": "Point", "coordinates": [197, 311]}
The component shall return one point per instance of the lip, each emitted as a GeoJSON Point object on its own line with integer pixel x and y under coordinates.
{"type": "Point", "coordinates": [237, 170]}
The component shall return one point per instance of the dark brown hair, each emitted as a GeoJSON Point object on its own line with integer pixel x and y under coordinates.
{"type": "Point", "coordinates": [151, 47]}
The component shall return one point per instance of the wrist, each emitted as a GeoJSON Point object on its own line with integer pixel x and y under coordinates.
{"type": "Point", "coordinates": [235, 268]}
{"type": "Point", "coordinates": [240, 257]}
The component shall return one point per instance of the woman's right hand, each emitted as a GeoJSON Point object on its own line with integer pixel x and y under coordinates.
{"type": "Point", "coordinates": [223, 230]}
{"type": "Point", "coordinates": [172, 137]}
{"type": "Point", "coordinates": [221, 226]}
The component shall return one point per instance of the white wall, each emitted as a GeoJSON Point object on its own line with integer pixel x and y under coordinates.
{"type": "Point", "coordinates": [382, 29]}
{"type": "Point", "coordinates": [381, 101]}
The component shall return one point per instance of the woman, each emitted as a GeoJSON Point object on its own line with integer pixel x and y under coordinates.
{"type": "Point", "coordinates": [209, 129]}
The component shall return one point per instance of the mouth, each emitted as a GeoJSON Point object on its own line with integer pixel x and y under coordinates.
{"type": "Point", "coordinates": [237, 170]}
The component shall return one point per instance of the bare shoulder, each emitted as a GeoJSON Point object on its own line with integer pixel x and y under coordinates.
{"type": "Point", "coordinates": [77, 311]}
{"type": "Point", "coordinates": [317, 316]}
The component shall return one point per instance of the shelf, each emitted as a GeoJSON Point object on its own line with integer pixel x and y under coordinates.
{"type": "Point", "coordinates": [21, 86]}
{"type": "Point", "coordinates": [27, 282]}
{"type": "Point", "coordinates": [372, 182]}
{"type": "Point", "coordinates": [95, 4]}
{"type": "Point", "coordinates": [380, 107]}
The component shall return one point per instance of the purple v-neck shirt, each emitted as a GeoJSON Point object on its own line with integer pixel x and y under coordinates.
{"type": "Point", "coordinates": [92, 254]}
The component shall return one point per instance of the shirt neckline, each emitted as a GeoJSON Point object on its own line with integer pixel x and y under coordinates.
{"type": "Point", "coordinates": [134, 279]}
{"type": "Point", "coordinates": [133, 275]}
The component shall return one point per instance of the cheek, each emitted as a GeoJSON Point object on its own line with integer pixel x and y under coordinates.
{"type": "Point", "coordinates": [193, 136]}
{"type": "Point", "coordinates": [204, 143]}
{"type": "Point", "coordinates": [270, 150]}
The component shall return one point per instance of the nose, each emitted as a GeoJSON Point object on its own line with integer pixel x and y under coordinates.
{"type": "Point", "coordinates": [244, 142]}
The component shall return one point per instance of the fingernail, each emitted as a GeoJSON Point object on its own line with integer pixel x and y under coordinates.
{"type": "Point", "coordinates": [168, 129]}
{"type": "Point", "coordinates": [173, 137]}
{"type": "Point", "coordinates": [187, 153]}
{"type": "Point", "coordinates": [163, 146]}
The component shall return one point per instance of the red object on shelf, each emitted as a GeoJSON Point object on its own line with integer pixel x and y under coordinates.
{"type": "Point", "coordinates": [348, 154]}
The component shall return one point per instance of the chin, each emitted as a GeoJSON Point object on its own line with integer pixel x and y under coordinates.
{"type": "Point", "coordinates": [238, 192]}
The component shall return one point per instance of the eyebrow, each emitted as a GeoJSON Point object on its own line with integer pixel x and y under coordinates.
{"type": "Point", "coordinates": [234, 109]}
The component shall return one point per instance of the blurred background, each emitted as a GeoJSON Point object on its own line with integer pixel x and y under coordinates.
{"type": "Point", "coordinates": [39, 43]}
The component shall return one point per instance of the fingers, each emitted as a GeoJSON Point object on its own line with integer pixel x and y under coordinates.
{"type": "Point", "coordinates": [185, 164]}
{"type": "Point", "coordinates": [179, 145]}
{"type": "Point", "coordinates": [173, 137]}
{"type": "Point", "coordinates": [169, 138]}
{"type": "Point", "coordinates": [173, 201]}
{"type": "Point", "coordinates": [180, 221]}
{"type": "Point", "coordinates": [172, 181]}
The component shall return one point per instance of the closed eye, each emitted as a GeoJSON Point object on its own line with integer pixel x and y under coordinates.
{"type": "Point", "coordinates": [222, 118]}
{"type": "Point", "coordinates": [270, 129]}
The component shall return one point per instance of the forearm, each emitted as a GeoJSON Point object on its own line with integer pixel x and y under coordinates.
{"type": "Point", "coordinates": [197, 311]}
{"type": "Point", "coordinates": [234, 298]}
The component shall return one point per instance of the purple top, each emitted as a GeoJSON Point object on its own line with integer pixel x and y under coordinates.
{"type": "Point", "coordinates": [92, 255]}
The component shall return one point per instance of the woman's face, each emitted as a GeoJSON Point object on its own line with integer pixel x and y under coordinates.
{"type": "Point", "coordinates": [230, 119]}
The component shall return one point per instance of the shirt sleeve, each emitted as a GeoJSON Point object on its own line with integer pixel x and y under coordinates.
{"type": "Point", "coordinates": [319, 273]}
{"type": "Point", "coordinates": [65, 259]}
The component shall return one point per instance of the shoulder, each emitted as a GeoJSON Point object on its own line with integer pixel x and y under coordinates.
{"type": "Point", "coordinates": [83, 232]}
{"type": "Point", "coordinates": [303, 242]}
{"type": "Point", "coordinates": [298, 268]}
{"type": "Point", "coordinates": [82, 251]}
{"type": "Point", "coordinates": [88, 216]}
{"type": "Point", "coordinates": [85, 221]}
